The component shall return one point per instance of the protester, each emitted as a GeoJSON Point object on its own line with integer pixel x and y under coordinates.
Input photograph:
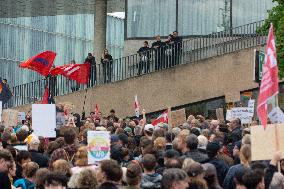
{"type": "Point", "coordinates": [158, 47]}
{"type": "Point", "coordinates": [6, 161]}
{"type": "Point", "coordinates": [29, 173]}
{"type": "Point", "coordinates": [150, 179]}
{"type": "Point", "coordinates": [175, 179]}
{"type": "Point", "coordinates": [144, 55]}
{"type": "Point", "coordinates": [93, 70]}
{"type": "Point", "coordinates": [107, 65]}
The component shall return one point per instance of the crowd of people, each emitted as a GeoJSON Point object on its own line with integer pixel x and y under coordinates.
{"type": "Point", "coordinates": [199, 154]}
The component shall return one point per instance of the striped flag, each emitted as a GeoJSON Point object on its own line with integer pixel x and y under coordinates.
{"type": "Point", "coordinates": [269, 82]}
{"type": "Point", "coordinates": [77, 72]}
{"type": "Point", "coordinates": [163, 118]}
{"type": "Point", "coordinates": [136, 106]}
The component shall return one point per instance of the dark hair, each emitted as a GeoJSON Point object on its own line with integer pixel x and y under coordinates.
{"type": "Point", "coordinates": [112, 170]}
{"type": "Point", "coordinates": [252, 178]}
{"type": "Point", "coordinates": [149, 162]}
{"type": "Point", "coordinates": [173, 163]}
{"type": "Point", "coordinates": [191, 142]}
{"type": "Point", "coordinates": [171, 153]}
{"type": "Point", "coordinates": [133, 174]}
{"type": "Point", "coordinates": [146, 42]}
{"type": "Point", "coordinates": [69, 136]}
{"type": "Point", "coordinates": [112, 111]}
{"type": "Point", "coordinates": [6, 155]}
{"type": "Point", "coordinates": [23, 155]}
{"type": "Point", "coordinates": [52, 146]}
{"type": "Point", "coordinates": [22, 135]}
{"type": "Point", "coordinates": [170, 136]}
{"type": "Point", "coordinates": [12, 150]}
{"type": "Point", "coordinates": [172, 175]}
{"type": "Point", "coordinates": [108, 185]}
{"type": "Point", "coordinates": [56, 178]}
{"type": "Point", "coordinates": [195, 131]}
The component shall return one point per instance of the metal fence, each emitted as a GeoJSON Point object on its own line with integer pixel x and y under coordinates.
{"type": "Point", "coordinates": [168, 56]}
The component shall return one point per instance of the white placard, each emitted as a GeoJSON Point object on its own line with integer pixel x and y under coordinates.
{"type": "Point", "coordinates": [21, 116]}
{"type": "Point", "coordinates": [98, 146]}
{"type": "Point", "coordinates": [276, 115]}
{"type": "Point", "coordinates": [44, 120]}
{"type": "Point", "coordinates": [245, 114]}
{"type": "Point", "coordinates": [0, 111]}
{"type": "Point", "coordinates": [229, 115]}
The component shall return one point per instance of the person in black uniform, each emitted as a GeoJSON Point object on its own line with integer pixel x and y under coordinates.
{"type": "Point", "coordinates": [169, 52]}
{"type": "Point", "coordinates": [107, 63]}
{"type": "Point", "coordinates": [159, 53]}
{"type": "Point", "coordinates": [93, 71]}
{"type": "Point", "coordinates": [144, 54]}
{"type": "Point", "coordinates": [177, 48]}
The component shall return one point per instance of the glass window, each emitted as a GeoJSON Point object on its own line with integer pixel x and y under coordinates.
{"type": "Point", "coordinates": [147, 18]}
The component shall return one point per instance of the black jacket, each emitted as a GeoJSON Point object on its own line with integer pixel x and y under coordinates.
{"type": "Point", "coordinates": [4, 181]}
{"type": "Point", "coordinates": [92, 61]}
{"type": "Point", "coordinates": [39, 158]}
{"type": "Point", "coordinates": [221, 167]}
{"type": "Point", "coordinates": [196, 156]}
{"type": "Point", "coordinates": [108, 57]}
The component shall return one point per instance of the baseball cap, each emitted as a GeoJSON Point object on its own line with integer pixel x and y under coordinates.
{"type": "Point", "coordinates": [128, 129]}
{"type": "Point", "coordinates": [149, 128]}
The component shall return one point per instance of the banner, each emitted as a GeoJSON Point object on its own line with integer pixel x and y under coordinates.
{"type": "Point", "coordinates": [10, 117]}
{"type": "Point", "coordinates": [276, 115]}
{"type": "Point", "coordinates": [245, 114]}
{"type": "Point", "coordinates": [44, 120]}
{"type": "Point", "coordinates": [178, 117]}
{"type": "Point", "coordinates": [98, 146]}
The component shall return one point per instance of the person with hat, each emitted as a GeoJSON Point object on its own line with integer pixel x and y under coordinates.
{"type": "Point", "coordinates": [148, 131]}
{"type": "Point", "coordinates": [33, 144]}
{"type": "Point", "coordinates": [222, 168]}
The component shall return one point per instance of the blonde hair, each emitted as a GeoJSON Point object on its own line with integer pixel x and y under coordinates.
{"type": "Point", "coordinates": [62, 166]}
{"type": "Point", "coordinates": [30, 169]}
{"type": "Point", "coordinates": [245, 154]}
{"type": "Point", "coordinates": [160, 143]}
{"type": "Point", "coordinates": [186, 163]}
{"type": "Point", "coordinates": [81, 156]}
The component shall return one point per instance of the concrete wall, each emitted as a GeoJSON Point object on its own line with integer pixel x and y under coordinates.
{"type": "Point", "coordinates": [214, 77]}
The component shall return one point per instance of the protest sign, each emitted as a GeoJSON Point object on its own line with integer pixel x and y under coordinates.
{"type": "Point", "coordinates": [263, 142]}
{"type": "Point", "coordinates": [44, 120]}
{"type": "Point", "coordinates": [220, 114]}
{"type": "Point", "coordinates": [243, 114]}
{"type": "Point", "coordinates": [229, 115]}
{"type": "Point", "coordinates": [21, 116]}
{"type": "Point", "coordinates": [98, 146]}
{"type": "Point", "coordinates": [178, 117]}
{"type": "Point", "coordinates": [10, 117]}
{"type": "Point", "coordinates": [276, 115]}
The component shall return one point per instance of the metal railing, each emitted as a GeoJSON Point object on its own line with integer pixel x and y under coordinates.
{"type": "Point", "coordinates": [168, 56]}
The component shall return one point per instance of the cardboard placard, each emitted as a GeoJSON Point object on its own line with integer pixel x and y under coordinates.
{"type": "Point", "coordinates": [44, 120]}
{"type": "Point", "coordinates": [98, 146]}
{"type": "Point", "coordinates": [220, 114]}
{"type": "Point", "coordinates": [263, 142]}
{"type": "Point", "coordinates": [10, 117]}
{"type": "Point", "coordinates": [178, 117]}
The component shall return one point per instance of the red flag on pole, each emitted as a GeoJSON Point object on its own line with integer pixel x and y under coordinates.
{"type": "Point", "coordinates": [269, 82]}
{"type": "Point", "coordinates": [77, 72]}
{"type": "Point", "coordinates": [40, 63]}
{"type": "Point", "coordinates": [163, 118]}
{"type": "Point", "coordinates": [97, 110]}
{"type": "Point", "coordinates": [45, 96]}
{"type": "Point", "coordinates": [136, 106]}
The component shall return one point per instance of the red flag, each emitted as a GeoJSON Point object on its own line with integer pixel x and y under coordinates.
{"type": "Point", "coordinates": [163, 118]}
{"type": "Point", "coordinates": [40, 63]}
{"type": "Point", "coordinates": [45, 96]}
{"type": "Point", "coordinates": [77, 72]}
{"type": "Point", "coordinates": [269, 82]}
{"type": "Point", "coordinates": [136, 106]}
{"type": "Point", "coordinates": [97, 110]}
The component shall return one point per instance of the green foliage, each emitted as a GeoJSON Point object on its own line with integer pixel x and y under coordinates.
{"type": "Point", "coordinates": [276, 16]}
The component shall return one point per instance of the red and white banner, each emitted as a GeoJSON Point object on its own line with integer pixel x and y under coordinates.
{"type": "Point", "coordinates": [163, 118]}
{"type": "Point", "coordinates": [269, 82]}
{"type": "Point", "coordinates": [136, 106]}
{"type": "Point", "coordinates": [77, 72]}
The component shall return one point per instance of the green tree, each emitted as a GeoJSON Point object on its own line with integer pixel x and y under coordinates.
{"type": "Point", "coordinates": [276, 16]}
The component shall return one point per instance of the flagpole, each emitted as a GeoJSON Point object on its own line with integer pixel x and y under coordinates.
{"type": "Point", "coordinates": [85, 100]}
{"type": "Point", "coordinates": [277, 133]}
